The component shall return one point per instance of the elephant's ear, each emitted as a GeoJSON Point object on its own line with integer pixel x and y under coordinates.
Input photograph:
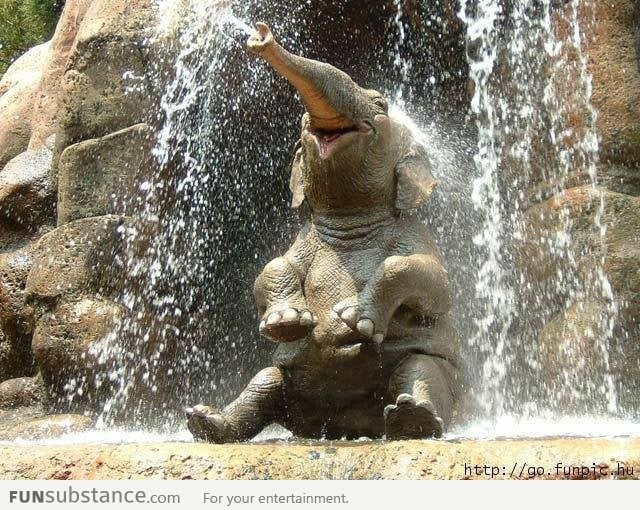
{"type": "Point", "coordinates": [414, 181]}
{"type": "Point", "coordinates": [296, 182]}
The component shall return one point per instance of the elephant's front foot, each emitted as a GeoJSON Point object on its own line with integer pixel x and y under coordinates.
{"type": "Point", "coordinates": [361, 318]}
{"type": "Point", "coordinates": [208, 424]}
{"type": "Point", "coordinates": [408, 419]}
{"type": "Point", "coordinates": [286, 324]}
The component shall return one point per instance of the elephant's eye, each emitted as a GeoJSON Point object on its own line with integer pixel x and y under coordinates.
{"type": "Point", "coordinates": [381, 103]}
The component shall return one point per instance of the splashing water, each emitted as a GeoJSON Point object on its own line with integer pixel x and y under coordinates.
{"type": "Point", "coordinates": [194, 231]}
{"type": "Point", "coordinates": [227, 18]}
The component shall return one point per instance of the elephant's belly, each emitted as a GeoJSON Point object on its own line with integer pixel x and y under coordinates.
{"type": "Point", "coordinates": [334, 277]}
{"type": "Point", "coordinates": [363, 420]}
{"type": "Point", "coordinates": [336, 398]}
{"type": "Point", "coordinates": [333, 370]}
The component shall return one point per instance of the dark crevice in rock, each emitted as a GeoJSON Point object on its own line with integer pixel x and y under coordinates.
{"type": "Point", "coordinates": [623, 179]}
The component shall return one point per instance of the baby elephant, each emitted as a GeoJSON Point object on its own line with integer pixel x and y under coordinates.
{"type": "Point", "coordinates": [359, 304]}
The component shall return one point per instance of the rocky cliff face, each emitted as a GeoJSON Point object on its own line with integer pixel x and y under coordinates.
{"type": "Point", "coordinates": [77, 114]}
{"type": "Point", "coordinates": [77, 122]}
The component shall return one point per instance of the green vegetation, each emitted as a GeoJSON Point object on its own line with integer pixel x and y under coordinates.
{"type": "Point", "coordinates": [23, 24]}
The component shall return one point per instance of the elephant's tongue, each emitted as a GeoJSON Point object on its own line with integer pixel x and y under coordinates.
{"type": "Point", "coordinates": [327, 139]}
{"type": "Point", "coordinates": [325, 145]}
{"type": "Point", "coordinates": [331, 138]}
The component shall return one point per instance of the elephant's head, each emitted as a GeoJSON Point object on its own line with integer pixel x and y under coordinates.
{"type": "Point", "coordinates": [352, 156]}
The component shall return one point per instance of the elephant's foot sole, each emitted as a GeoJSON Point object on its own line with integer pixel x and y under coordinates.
{"type": "Point", "coordinates": [207, 425]}
{"type": "Point", "coordinates": [408, 419]}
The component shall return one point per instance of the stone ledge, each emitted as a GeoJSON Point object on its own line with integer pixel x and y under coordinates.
{"type": "Point", "coordinates": [603, 458]}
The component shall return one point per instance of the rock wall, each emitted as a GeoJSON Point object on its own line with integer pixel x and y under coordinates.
{"type": "Point", "coordinates": [613, 63]}
{"type": "Point", "coordinates": [18, 91]}
{"type": "Point", "coordinates": [45, 110]}
{"type": "Point", "coordinates": [75, 139]}
{"type": "Point", "coordinates": [609, 233]}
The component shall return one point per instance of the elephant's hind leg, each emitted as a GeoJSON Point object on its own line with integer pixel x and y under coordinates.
{"type": "Point", "coordinates": [259, 404]}
{"type": "Point", "coordinates": [423, 390]}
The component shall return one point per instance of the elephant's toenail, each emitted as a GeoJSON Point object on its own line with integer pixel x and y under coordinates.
{"type": "Point", "coordinates": [290, 315]}
{"type": "Point", "coordinates": [350, 316]}
{"type": "Point", "coordinates": [273, 318]}
{"type": "Point", "coordinates": [306, 319]}
{"type": "Point", "coordinates": [365, 326]}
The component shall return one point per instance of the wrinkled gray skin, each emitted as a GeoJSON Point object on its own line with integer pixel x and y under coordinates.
{"type": "Point", "coordinates": [359, 304]}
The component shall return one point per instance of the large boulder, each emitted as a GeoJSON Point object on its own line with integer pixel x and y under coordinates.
{"type": "Point", "coordinates": [25, 70]}
{"type": "Point", "coordinates": [18, 92]}
{"type": "Point", "coordinates": [615, 68]}
{"type": "Point", "coordinates": [27, 193]}
{"type": "Point", "coordinates": [110, 80]}
{"type": "Point", "coordinates": [585, 365]}
{"type": "Point", "coordinates": [16, 317]}
{"type": "Point", "coordinates": [72, 348]}
{"type": "Point", "coordinates": [75, 272]}
{"type": "Point", "coordinates": [570, 353]}
{"type": "Point", "coordinates": [577, 215]}
{"type": "Point", "coordinates": [75, 260]}
{"type": "Point", "coordinates": [610, 230]}
{"type": "Point", "coordinates": [15, 314]}
{"type": "Point", "coordinates": [579, 210]}
{"type": "Point", "coordinates": [21, 392]}
{"type": "Point", "coordinates": [99, 176]}
{"type": "Point", "coordinates": [45, 110]}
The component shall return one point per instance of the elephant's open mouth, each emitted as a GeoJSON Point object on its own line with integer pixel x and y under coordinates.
{"type": "Point", "coordinates": [328, 140]}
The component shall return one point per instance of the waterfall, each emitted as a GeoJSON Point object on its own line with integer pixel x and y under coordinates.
{"type": "Point", "coordinates": [536, 138]}
{"type": "Point", "coordinates": [203, 228]}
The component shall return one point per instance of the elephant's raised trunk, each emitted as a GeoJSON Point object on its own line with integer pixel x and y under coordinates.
{"type": "Point", "coordinates": [330, 96]}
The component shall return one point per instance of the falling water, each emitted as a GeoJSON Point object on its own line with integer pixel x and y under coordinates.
{"type": "Point", "coordinates": [196, 242]}
{"type": "Point", "coordinates": [492, 288]}
{"type": "Point", "coordinates": [531, 82]}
